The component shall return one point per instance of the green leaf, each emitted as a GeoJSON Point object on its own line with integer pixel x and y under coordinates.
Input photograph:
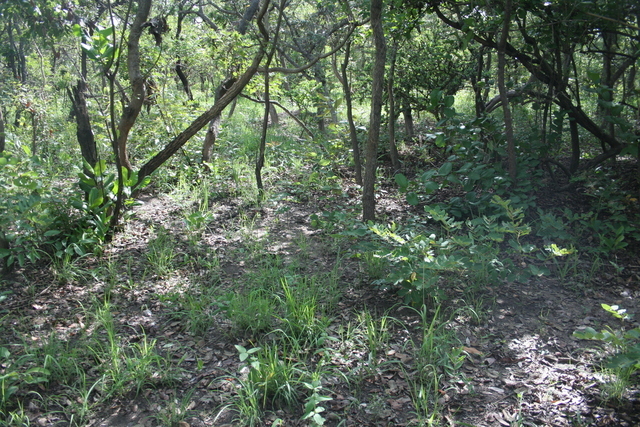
{"type": "Point", "coordinates": [402, 182]}
{"type": "Point", "coordinates": [100, 168]}
{"type": "Point", "coordinates": [412, 198]}
{"type": "Point", "coordinates": [95, 198]}
{"type": "Point", "coordinates": [431, 186]}
{"type": "Point", "coordinates": [77, 30]}
{"type": "Point", "coordinates": [445, 169]}
{"type": "Point", "coordinates": [449, 100]}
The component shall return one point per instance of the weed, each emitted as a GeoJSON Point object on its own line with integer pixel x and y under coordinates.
{"type": "Point", "coordinates": [302, 318]}
{"type": "Point", "coordinates": [161, 253]}
{"type": "Point", "coordinates": [17, 375]}
{"type": "Point", "coordinates": [176, 411]}
{"type": "Point", "coordinates": [278, 381]}
{"type": "Point", "coordinates": [253, 312]}
{"type": "Point", "coordinates": [625, 344]}
{"type": "Point", "coordinates": [312, 409]}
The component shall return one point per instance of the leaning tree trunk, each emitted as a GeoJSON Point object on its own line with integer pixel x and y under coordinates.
{"type": "Point", "coordinates": [371, 156]}
{"type": "Point", "coordinates": [178, 142]}
{"type": "Point", "coordinates": [214, 123]}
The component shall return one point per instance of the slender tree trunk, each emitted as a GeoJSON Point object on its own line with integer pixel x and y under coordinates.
{"type": "Point", "coordinates": [368, 191]}
{"type": "Point", "coordinates": [178, 67]}
{"type": "Point", "coordinates": [183, 79]}
{"type": "Point", "coordinates": [34, 132]}
{"type": "Point", "coordinates": [393, 149]}
{"type": "Point", "coordinates": [267, 102]}
{"type": "Point", "coordinates": [353, 134]}
{"type": "Point", "coordinates": [575, 146]}
{"type": "Point", "coordinates": [606, 94]}
{"type": "Point", "coordinates": [476, 78]}
{"type": "Point", "coordinates": [2, 132]}
{"type": "Point", "coordinates": [508, 124]}
{"type": "Point", "coordinates": [131, 111]}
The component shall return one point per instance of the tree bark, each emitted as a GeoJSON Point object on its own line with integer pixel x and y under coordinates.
{"type": "Point", "coordinates": [2, 132]}
{"type": "Point", "coordinates": [353, 134]}
{"type": "Point", "coordinates": [575, 146]}
{"type": "Point", "coordinates": [393, 149]}
{"type": "Point", "coordinates": [214, 124]}
{"type": "Point", "coordinates": [267, 104]}
{"type": "Point", "coordinates": [183, 79]}
{"type": "Point", "coordinates": [172, 147]}
{"type": "Point", "coordinates": [84, 133]}
{"type": "Point", "coordinates": [136, 79]}
{"type": "Point", "coordinates": [508, 124]}
{"type": "Point", "coordinates": [407, 114]}
{"type": "Point", "coordinates": [368, 191]}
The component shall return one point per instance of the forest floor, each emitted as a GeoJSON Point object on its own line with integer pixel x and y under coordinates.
{"type": "Point", "coordinates": [519, 362]}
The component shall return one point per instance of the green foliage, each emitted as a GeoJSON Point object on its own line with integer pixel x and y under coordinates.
{"type": "Point", "coordinates": [312, 408]}
{"type": "Point", "coordinates": [253, 312]}
{"type": "Point", "coordinates": [625, 343]}
{"type": "Point", "coordinates": [17, 374]}
{"type": "Point", "coordinates": [468, 252]}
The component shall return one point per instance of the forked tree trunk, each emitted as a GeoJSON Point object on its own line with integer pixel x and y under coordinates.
{"type": "Point", "coordinates": [368, 191]}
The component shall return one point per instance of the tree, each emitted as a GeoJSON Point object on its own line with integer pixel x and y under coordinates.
{"type": "Point", "coordinates": [555, 38]}
{"type": "Point", "coordinates": [371, 153]}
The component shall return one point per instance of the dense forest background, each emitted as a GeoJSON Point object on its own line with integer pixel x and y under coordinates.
{"type": "Point", "coordinates": [293, 212]}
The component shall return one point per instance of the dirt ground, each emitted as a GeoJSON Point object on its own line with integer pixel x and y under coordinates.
{"type": "Point", "coordinates": [523, 367]}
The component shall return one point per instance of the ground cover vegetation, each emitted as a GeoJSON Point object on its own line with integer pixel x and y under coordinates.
{"type": "Point", "coordinates": [403, 213]}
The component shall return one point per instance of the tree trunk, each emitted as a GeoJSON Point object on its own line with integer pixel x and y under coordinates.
{"type": "Point", "coordinates": [575, 146]}
{"type": "Point", "coordinates": [267, 104]}
{"type": "Point", "coordinates": [606, 93]}
{"type": "Point", "coordinates": [172, 147]}
{"type": "Point", "coordinates": [2, 132]}
{"type": "Point", "coordinates": [353, 134]}
{"type": "Point", "coordinates": [368, 191]}
{"type": "Point", "coordinates": [131, 111]}
{"type": "Point", "coordinates": [214, 125]}
{"type": "Point", "coordinates": [508, 124]}
{"type": "Point", "coordinates": [84, 133]}
{"type": "Point", "coordinates": [178, 67]}
{"type": "Point", "coordinates": [136, 79]}
{"type": "Point", "coordinates": [393, 149]}
{"type": "Point", "coordinates": [408, 118]}
{"type": "Point", "coordinates": [183, 79]}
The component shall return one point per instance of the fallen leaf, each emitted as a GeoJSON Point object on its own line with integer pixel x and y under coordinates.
{"type": "Point", "coordinates": [472, 350]}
